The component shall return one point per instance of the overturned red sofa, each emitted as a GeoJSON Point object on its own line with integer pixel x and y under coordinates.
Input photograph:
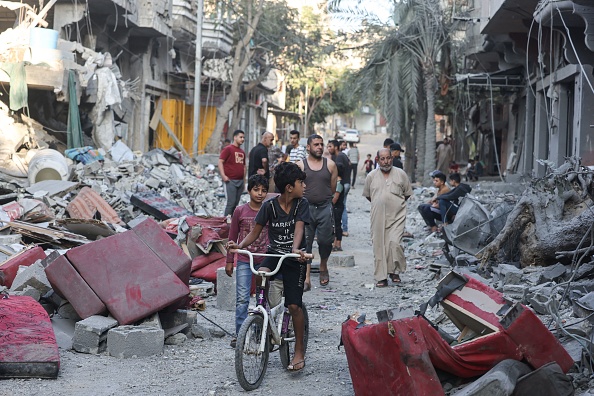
{"type": "Point", "coordinates": [400, 357]}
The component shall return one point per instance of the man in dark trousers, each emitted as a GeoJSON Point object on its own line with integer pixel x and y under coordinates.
{"type": "Point", "coordinates": [259, 156]}
{"type": "Point", "coordinates": [232, 170]}
{"type": "Point", "coordinates": [448, 202]}
{"type": "Point", "coordinates": [321, 190]}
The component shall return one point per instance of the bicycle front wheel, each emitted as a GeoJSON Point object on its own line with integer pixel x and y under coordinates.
{"type": "Point", "coordinates": [250, 363]}
{"type": "Point", "coordinates": [287, 348]}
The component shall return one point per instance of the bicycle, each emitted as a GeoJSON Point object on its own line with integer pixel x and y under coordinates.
{"type": "Point", "coordinates": [263, 329]}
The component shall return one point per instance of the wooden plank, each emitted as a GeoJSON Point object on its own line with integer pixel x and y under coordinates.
{"type": "Point", "coordinates": [178, 144]}
{"type": "Point", "coordinates": [155, 119]}
{"type": "Point", "coordinates": [43, 13]}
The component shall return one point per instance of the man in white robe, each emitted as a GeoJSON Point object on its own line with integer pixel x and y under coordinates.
{"type": "Point", "coordinates": [387, 188]}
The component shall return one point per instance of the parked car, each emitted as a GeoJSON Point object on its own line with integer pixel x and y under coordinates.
{"type": "Point", "coordinates": [352, 135]}
{"type": "Point", "coordinates": [341, 133]}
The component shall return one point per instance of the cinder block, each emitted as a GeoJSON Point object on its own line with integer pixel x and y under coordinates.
{"type": "Point", "coordinates": [134, 341]}
{"type": "Point", "coordinates": [225, 290]}
{"type": "Point", "coordinates": [509, 274]}
{"type": "Point", "coordinates": [90, 335]}
{"type": "Point", "coordinates": [341, 260]}
{"type": "Point", "coordinates": [33, 276]}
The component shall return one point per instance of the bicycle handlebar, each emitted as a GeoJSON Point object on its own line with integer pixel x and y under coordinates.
{"type": "Point", "coordinates": [282, 258]}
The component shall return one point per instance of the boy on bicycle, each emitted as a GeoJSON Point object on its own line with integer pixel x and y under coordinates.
{"type": "Point", "coordinates": [242, 223]}
{"type": "Point", "coordinates": [286, 216]}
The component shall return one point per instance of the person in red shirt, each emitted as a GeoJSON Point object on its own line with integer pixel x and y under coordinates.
{"type": "Point", "coordinates": [232, 169]}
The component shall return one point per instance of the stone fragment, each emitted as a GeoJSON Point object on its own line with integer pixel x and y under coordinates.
{"type": "Point", "coordinates": [179, 317]}
{"type": "Point", "coordinates": [216, 332]}
{"type": "Point", "coordinates": [584, 271]}
{"type": "Point", "coordinates": [29, 291]}
{"type": "Point", "coordinates": [500, 380]}
{"type": "Point", "coordinates": [90, 334]}
{"type": "Point", "coordinates": [515, 292]}
{"type": "Point", "coordinates": [225, 290]}
{"type": "Point", "coordinates": [134, 341]}
{"type": "Point", "coordinates": [152, 321]}
{"type": "Point", "coordinates": [176, 339]}
{"type": "Point", "coordinates": [466, 260]}
{"type": "Point", "coordinates": [509, 274]}
{"type": "Point", "coordinates": [67, 311]}
{"type": "Point", "coordinates": [341, 260]}
{"type": "Point", "coordinates": [553, 273]}
{"type": "Point", "coordinates": [199, 331]}
{"type": "Point", "coordinates": [34, 276]}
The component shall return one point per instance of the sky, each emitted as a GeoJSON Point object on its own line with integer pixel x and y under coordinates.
{"type": "Point", "coordinates": [382, 9]}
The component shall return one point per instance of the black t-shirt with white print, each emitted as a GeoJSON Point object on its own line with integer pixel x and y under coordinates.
{"type": "Point", "coordinates": [281, 225]}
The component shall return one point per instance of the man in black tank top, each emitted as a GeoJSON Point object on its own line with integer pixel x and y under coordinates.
{"type": "Point", "coordinates": [320, 193]}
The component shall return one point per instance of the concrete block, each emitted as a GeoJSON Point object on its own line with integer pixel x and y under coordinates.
{"type": "Point", "coordinates": [554, 273]}
{"type": "Point", "coordinates": [500, 380]}
{"type": "Point", "coordinates": [509, 274]}
{"type": "Point", "coordinates": [90, 334]}
{"type": "Point", "coordinates": [225, 290]}
{"type": "Point", "coordinates": [515, 292]}
{"type": "Point", "coordinates": [134, 341]}
{"type": "Point", "coordinates": [29, 291]}
{"type": "Point", "coordinates": [538, 302]}
{"type": "Point", "coordinates": [34, 276]}
{"type": "Point", "coordinates": [200, 331]}
{"type": "Point", "coordinates": [152, 321]}
{"type": "Point", "coordinates": [64, 331]}
{"type": "Point", "coordinates": [341, 260]}
{"type": "Point", "coordinates": [176, 339]}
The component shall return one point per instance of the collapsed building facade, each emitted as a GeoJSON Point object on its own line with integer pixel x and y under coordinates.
{"type": "Point", "coordinates": [530, 64]}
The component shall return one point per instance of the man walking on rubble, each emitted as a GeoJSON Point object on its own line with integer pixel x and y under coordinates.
{"type": "Point", "coordinates": [387, 188]}
{"type": "Point", "coordinates": [321, 179]}
{"type": "Point", "coordinates": [445, 155]}
{"type": "Point", "coordinates": [232, 170]}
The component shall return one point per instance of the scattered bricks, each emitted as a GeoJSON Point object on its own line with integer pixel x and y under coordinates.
{"type": "Point", "coordinates": [553, 273]}
{"type": "Point", "coordinates": [515, 292]}
{"type": "Point", "coordinates": [199, 331]}
{"type": "Point", "coordinates": [176, 339]}
{"type": "Point", "coordinates": [509, 274]}
{"type": "Point", "coordinates": [341, 260]}
{"type": "Point", "coordinates": [134, 341]}
{"type": "Point", "coordinates": [90, 335]}
{"type": "Point", "coordinates": [33, 276]}
{"type": "Point", "coordinates": [67, 311]}
{"type": "Point", "coordinates": [152, 321]}
{"type": "Point", "coordinates": [225, 290]}
{"type": "Point", "coordinates": [29, 291]}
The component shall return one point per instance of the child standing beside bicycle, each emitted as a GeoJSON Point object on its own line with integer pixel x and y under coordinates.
{"type": "Point", "coordinates": [286, 216]}
{"type": "Point", "coordinates": [242, 223]}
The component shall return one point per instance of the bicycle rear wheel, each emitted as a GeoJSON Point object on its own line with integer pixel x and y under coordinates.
{"type": "Point", "coordinates": [287, 348]}
{"type": "Point", "coordinates": [250, 363]}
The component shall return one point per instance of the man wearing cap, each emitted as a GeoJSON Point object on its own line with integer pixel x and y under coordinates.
{"type": "Point", "coordinates": [396, 149]}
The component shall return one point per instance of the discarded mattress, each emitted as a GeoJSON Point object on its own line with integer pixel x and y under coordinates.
{"type": "Point", "coordinates": [158, 206]}
{"type": "Point", "coordinates": [9, 268]}
{"type": "Point", "coordinates": [401, 356]}
{"type": "Point", "coordinates": [28, 347]}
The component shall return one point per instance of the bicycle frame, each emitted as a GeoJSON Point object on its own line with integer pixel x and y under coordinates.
{"type": "Point", "coordinates": [262, 307]}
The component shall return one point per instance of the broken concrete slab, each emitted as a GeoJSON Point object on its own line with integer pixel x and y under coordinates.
{"type": "Point", "coordinates": [64, 331]}
{"type": "Point", "coordinates": [34, 276]}
{"type": "Point", "coordinates": [500, 380]}
{"type": "Point", "coordinates": [52, 187]}
{"type": "Point", "coordinates": [341, 260]}
{"type": "Point", "coordinates": [508, 274]}
{"type": "Point", "coordinates": [585, 270]}
{"type": "Point", "coordinates": [29, 291]}
{"type": "Point", "coordinates": [554, 273]}
{"type": "Point", "coordinates": [152, 321]}
{"type": "Point", "coordinates": [135, 341]}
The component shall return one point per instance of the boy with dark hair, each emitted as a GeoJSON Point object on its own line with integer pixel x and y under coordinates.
{"type": "Point", "coordinates": [448, 202]}
{"type": "Point", "coordinates": [368, 164]}
{"type": "Point", "coordinates": [286, 216]}
{"type": "Point", "coordinates": [242, 223]}
{"type": "Point", "coordinates": [430, 211]}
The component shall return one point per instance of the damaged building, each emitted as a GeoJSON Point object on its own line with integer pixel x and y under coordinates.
{"type": "Point", "coordinates": [529, 63]}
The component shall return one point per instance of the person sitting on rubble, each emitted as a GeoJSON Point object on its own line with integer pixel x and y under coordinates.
{"type": "Point", "coordinates": [471, 174]}
{"type": "Point", "coordinates": [430, 211]}
{"type": "Point", "coordinates": [286, 217]}
{"type": "Point", "coordinates": [448, 202]}
{"type": "Point", "coordinates": [242, 223]}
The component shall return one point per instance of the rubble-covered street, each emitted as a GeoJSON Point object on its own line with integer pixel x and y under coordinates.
{"type": "Point", "coordinates": [202, 362]}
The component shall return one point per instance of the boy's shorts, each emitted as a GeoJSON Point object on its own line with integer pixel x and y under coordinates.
{"type": "Point", "coordinates": [293, 273]}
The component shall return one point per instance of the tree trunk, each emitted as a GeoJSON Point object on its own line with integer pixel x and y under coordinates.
{"type": "Point", "coordinates": [420, 128]}
{"type": "Point", "coordinates": [430, 87]}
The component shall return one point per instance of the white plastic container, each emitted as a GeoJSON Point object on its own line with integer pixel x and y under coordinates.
{"type": "Point", "coordinates": [47, 164]}
{"type": "Point", "coordinates": [43, 38]}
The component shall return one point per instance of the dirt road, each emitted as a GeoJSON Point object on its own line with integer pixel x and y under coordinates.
{"type": "Point", "coordinates": [207, 367]}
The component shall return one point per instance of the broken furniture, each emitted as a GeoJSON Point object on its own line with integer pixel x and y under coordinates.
{"type": "Point", "coordinates": [28, 347]}
{"type": "Point", "coordinates": [401, 356]}
{"type": "Point", "coordinates": [133, 274]}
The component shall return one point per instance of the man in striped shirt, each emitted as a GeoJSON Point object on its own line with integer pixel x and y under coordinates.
{"type": "Point", "coordinates": [296, 152]}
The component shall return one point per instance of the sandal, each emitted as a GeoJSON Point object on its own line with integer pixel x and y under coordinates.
{"type": "Point", "coordinates": [297, 366]}
{"type": "Point", "coordinates": [395, 278]}
{"type": "Point", "coordinates": [382, 283]}
{"type": "Point", "coordinates": [324, 278]}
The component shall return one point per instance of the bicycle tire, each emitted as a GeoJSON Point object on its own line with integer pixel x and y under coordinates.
{"type": "Point", "coordinates": [287, 348]}
{"type": "Point", "coordinates": [250, 372]}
